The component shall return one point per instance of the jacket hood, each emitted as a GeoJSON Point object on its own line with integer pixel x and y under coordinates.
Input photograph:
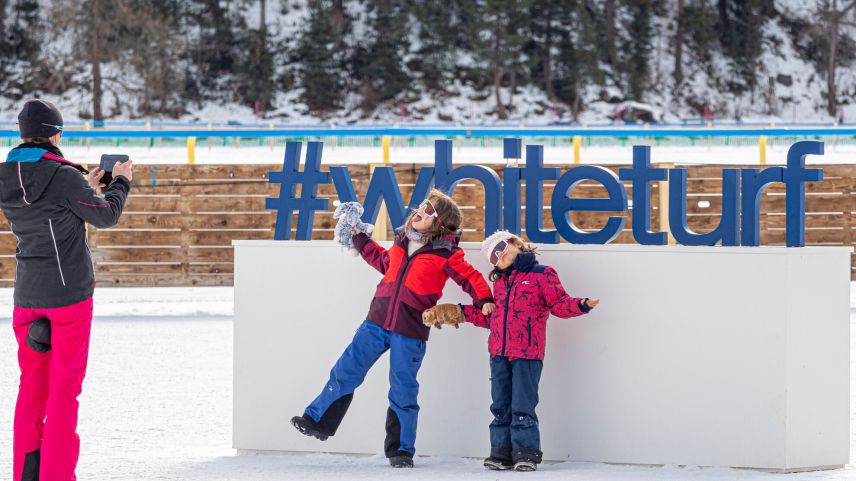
{"type": "Point", "coordinates": [524, 262]}
{"type": "Point", "coordinates": [24, 176]}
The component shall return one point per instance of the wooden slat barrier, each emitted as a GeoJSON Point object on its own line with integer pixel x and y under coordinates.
{"type": "Point", "coordinates": [180, 220]}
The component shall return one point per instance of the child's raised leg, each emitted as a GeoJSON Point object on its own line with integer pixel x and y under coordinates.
{"type": "Point", "coordinates": [329, 408]}
{"type": "Point", "coordinates": [405, 359]}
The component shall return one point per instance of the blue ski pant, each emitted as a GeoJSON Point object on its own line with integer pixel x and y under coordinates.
{"type": "Point", "coordinates": [369, 343]}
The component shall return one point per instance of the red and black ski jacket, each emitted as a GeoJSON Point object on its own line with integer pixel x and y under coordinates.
{"type": "Point", "coordinates": [410, 285]}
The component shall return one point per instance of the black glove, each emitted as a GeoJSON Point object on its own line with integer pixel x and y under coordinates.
{"type": "Point", "coordinates": [39, 335]}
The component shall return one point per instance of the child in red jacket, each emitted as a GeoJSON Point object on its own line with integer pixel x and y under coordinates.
{"type": "Point", "coordinates": [415, 269]}
{"type": "Point", "coordinates": [526, 294]}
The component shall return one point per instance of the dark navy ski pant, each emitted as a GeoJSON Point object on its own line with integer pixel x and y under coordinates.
{"type": "Point", "coordinates": [369, 343]}
{"type": "Point", "coordinates": [514, 430]}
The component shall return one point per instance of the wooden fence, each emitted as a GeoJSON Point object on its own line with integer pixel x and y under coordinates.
{"type": "Point", "coordinates": [180, 220]}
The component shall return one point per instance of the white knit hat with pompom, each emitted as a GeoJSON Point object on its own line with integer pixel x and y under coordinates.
{"type": "Point", "coordinates": [494, 239]}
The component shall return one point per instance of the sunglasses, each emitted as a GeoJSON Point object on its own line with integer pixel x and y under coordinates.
{"type": "Point", "coordinates": [498, 252]}
{"type": "Point", "coordinates": [428, 209]}
{"type": "Point", "coordinates": [58, 127]}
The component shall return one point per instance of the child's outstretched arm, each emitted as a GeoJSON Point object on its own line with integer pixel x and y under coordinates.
{"type": "Point", "coordinates": [454, 314]}
{"type": "Point", "coordinates": [475, 316]}
{"type": "Point", "coordinates": [372, 252]}
{"type": "Point", "coordinates": [560, 303]}
{"type": "Point", "coordinates": [470, 280]}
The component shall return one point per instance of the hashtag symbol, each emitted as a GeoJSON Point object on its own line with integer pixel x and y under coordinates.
{"type": "Point", "coordinates": [289, 179]}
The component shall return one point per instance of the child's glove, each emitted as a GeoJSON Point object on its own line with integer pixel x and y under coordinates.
{"type": "Point", "coordinates": [448, 314]}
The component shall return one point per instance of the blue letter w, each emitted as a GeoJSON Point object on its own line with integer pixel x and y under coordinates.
{"type": "Point", "coordinates": [383, 187]}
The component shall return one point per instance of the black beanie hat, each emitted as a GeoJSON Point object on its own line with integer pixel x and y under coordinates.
{"type": "Point", "coordinates": [39, 118]}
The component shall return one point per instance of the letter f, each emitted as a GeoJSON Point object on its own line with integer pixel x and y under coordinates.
{"type": "Point", "coordinates": [795, 177]}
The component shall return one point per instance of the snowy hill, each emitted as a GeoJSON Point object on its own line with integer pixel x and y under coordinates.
{"type": "Point", "coordinates": [369, 61]}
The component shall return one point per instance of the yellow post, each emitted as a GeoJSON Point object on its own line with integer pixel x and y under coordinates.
{"type": "Point", "coordinates": [272, 143]}
{"type": "Point", "coordinates": [382, 222]}
{"type": "Point", "coordinates": [385, 143]}
{"type": "Point", "coordinates": [664, 206]}
{"type": "Point", "coordinates": [191, 150]}
{"type": "Point", "coordinates": [577, 142]}
{"type": "Point", "coordinates": [762, 147]}
{"type": "Point", "coordinates": [88, 126]}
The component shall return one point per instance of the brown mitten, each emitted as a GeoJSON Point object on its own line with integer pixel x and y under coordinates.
{"type": "Point", "coordinates": [437, 316]}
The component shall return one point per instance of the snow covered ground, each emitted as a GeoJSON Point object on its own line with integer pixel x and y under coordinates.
{"type": "Point", "coordinates": [748, 154]}
{"type": "Point", "coordinates": [157, 405]}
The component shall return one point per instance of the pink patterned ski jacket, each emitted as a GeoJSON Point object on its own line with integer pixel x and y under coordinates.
{"type": "Point", "coordinates": [525, 296]}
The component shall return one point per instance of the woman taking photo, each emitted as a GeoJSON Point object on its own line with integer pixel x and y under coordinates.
{"type": "Point", "coordinates": [47, 201]}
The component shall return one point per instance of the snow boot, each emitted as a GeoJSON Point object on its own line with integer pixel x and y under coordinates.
{"type": "Point", "coordinates": [526, 459]}
{"type": "Point", "coordinates": [498, 464]}
{"type": "Point", "coordinates": [500, 459]}
{"type": "Point", "coordinates": [307, 426]}
{"type": "Point", "coordinates": [525, 465]}
{"type": "Point", "coordinates": [401, 460]}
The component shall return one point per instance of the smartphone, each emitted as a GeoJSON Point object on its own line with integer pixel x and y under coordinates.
{"type": "Point", "coordinates": [108, 161]}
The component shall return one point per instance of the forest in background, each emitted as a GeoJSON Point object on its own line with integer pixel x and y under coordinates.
{"type": "Point", "coordinates": [457, 60]}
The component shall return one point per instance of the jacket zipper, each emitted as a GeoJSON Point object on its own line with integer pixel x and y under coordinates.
{"type": "Point", "coordinates": [58, 263]}
{"type": "Point", "coordinates": [508, 298]}
{"type": "Point", "coordinates": [529, 328]}
{"type": "Point", "coordinates": [393, 308]}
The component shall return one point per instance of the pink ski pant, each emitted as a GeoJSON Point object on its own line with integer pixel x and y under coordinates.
{"type": "Point", "coordinates": [46, 445]}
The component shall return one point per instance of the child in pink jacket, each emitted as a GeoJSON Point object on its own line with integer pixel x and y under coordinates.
{"type": "Point", "coordinates": [526, 294]}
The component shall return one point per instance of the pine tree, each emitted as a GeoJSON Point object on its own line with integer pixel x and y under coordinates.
{"type": "Point", "coordinates": [378, 63]}
{"type": "Point", "coordinates": [503, 34]}
{"type": "Point", "coordinates": [740, 29]}
{"type": "Point", "coordinates": [637, 47]}
{"type": "Point", "coordinates": [156, 48]}
{"type": "Point", "coordinates": [20, 61]}
{"type": "Point", "coordinates": [577, 56]}
{"type": "Point", "coordinates": [321, 69]}
{"type": "Point", "coordinates": [700, 21]}
{"type": "Point", "coordinates": [99, 29]}
{"type": "Point", "coordinates": [544, 31]}
{"type": "Point", "coordinates": [4, 49]}
{"type": "Point", "coordinates": [439, 26]}
{"type": "Point", "coordinates": [212, 54]}
{"type": "Point", "coordinates": [678, 71]}
{"type": "Point", "coordinates": [256, 71]}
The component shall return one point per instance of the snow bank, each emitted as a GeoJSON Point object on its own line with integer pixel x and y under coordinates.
{"type": "Point", "coordinates": [127, 302]}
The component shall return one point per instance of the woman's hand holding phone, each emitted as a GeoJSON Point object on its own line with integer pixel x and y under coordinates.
{"type": "Point", "coordinates": [125, 169]}
{"type": "Point", "coordinates": [94, 178]}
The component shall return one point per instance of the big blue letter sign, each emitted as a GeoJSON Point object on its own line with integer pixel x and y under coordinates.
{"type": "Point", "coordinates": [447, 178]}
{"type": "Point", "coordinates": [289, 179]}
{"type": "Point", "coordinates": [739, 222]}
{"type": "Point", "coordinates": [641, 175]}
{"type": "Point", "coordinates": [562, 205]}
